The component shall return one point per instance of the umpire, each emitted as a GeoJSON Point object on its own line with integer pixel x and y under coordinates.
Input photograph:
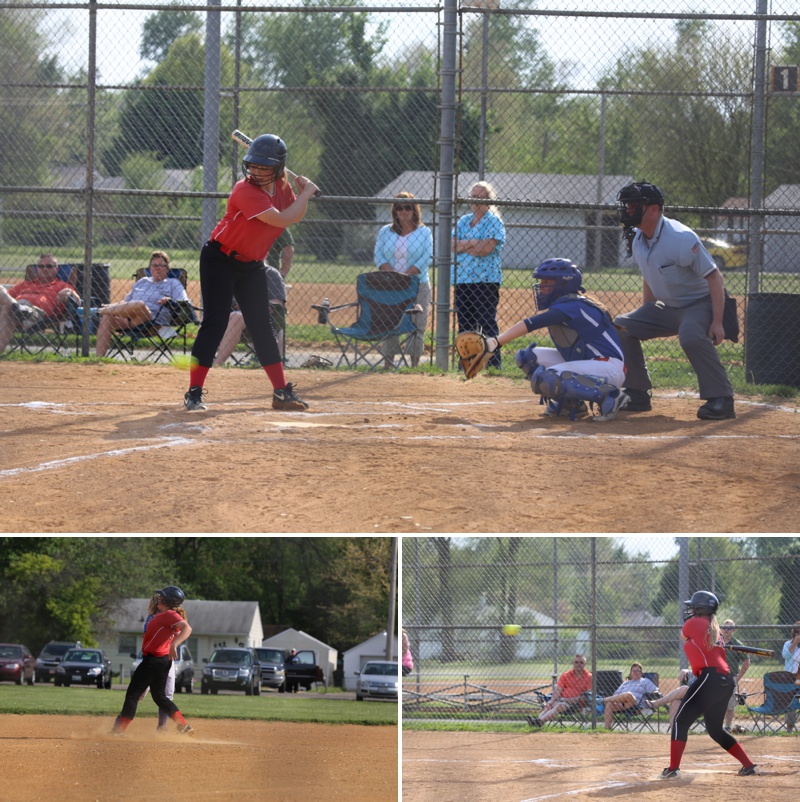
{"type": "Point", "coordinates": [683, 294]}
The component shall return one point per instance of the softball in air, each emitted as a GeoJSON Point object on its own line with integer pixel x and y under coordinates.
{"type": "Point", "coordinates": [183, 361]}
{"type": "Point", "coordinates": [511, 629]}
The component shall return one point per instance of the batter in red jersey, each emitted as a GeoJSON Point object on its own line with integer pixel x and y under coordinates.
{"type": "Point", "coordinates": [232, 265]}
{"type": "Point", "coordinates": [165, 630]}
{"type": "Point", "coordinates": [709, 694]}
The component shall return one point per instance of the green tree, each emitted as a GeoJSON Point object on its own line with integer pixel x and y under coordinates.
{"type": "Point", "coordinates": [163, 28]}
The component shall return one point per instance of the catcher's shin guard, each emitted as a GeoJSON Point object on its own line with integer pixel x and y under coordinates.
{"type": "Point", "coordinates": [526, 360]}
{"type": "Point", "coordinates": [568, 390]}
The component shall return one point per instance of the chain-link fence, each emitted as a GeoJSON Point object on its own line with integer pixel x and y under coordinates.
{"type": "Point", "coordinates": [116, 125]}
{"type": "Point", "coordinates": [614, 600]}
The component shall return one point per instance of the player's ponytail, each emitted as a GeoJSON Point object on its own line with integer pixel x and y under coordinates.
{"type": "Point", "coordinates": [712, 636]}
{"type": "Point", "coordinates": [181, 612]}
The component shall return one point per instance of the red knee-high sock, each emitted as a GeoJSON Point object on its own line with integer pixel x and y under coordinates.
{"type": "Point", "coordinates": [739, 753]}
{"type": "Point", "coordinates": [197, 375]}
{"type": "Point", "coordinates": [121, 723]}
{"type": "Point", "coordinates": [275, 375]}
{"type": "Point", "coordinates": [178, 718]}
{"type": "Point", "coordinates": [676, 753]}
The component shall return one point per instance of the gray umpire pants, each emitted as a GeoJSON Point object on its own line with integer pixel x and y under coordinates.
{"type": "Point", "coordinates": [691, 324]}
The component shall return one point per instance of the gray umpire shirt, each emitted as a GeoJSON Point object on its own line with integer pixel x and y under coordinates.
{"type": "Point", "coordinates": [674, 263]}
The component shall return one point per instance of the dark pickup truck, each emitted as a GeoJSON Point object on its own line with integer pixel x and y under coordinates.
{"type": "Point", "coordinates": [304, 671]}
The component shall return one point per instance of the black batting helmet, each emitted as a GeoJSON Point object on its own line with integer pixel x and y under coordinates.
{"type": "Point", "coordinates": [173, 596]}
{"type": "Point", "coordinates": [703, 602]}
{"type": "Point", "coordinates": [267, 150]}
{"type": "Point", "coordinates": [637, 195]}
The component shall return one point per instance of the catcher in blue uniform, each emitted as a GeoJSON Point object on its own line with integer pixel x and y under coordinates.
{"type": "Point", "coordinates": [586, 366]}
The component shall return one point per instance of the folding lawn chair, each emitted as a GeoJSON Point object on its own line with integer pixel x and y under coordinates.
{"type": "Point", "coordinates": [156, 340]}
{"type": "Point", "coordinates": [780, 699]}
{"type": "Point", "coordinates": [386, 307]}
{"type": "Point", "coordinates": [52, 334]}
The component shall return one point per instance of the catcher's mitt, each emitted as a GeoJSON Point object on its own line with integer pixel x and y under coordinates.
{"type": "Point", "coordinates": [473, 351]}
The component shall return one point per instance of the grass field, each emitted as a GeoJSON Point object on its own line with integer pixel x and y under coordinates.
{"type": "Point", "coordinates": [317, 709]}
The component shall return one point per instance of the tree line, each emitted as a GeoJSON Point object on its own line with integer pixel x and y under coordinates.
{"type": "Point", "coordinates": [68, 588]}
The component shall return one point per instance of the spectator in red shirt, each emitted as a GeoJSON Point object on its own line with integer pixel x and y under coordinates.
{"type": "Point", "coordinates": [33, 301]}
{"type": "Point", "coordinates": [568, 694]}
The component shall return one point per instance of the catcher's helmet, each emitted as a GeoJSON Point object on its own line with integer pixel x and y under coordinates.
{"type": "Point", "coordinates": [267, 150]}
{"type": "Point", "coordinates": [567, 276]}
{"type": "Point", "coordinates": [172, 595]}
{"type": "Point", "coordinates": [703, 602]}
{"type": "Point", "coordinates": [639, 196]}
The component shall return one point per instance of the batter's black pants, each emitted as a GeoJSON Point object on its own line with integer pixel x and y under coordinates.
{"type": "Point", "coordinates": [223, 278]}
{"type": "Point", "coordinates": [707, 696]}
{"type": "Point", "coordinates": [151, 673]}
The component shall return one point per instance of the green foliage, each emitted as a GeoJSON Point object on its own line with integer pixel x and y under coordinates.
{"type": "Point", "coordinates": [161, 29]}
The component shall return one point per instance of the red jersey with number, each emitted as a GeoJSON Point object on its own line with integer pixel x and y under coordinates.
{"type": "Point", "coordinates": [240, 229]}
{"type": "Point", "coordinates": [695, 630]}
{"type": "Point", "coordinates": [572, 686]}
{"type": "Point", "coordinates": [160, 633]}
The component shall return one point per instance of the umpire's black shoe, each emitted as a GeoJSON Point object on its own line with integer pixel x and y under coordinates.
{"type": "Point", "coordinates": [639, 400]}
{"type": "Point", "coordinates": [720, 408]}
{"type": "Point", "coordinates": [287, 400]}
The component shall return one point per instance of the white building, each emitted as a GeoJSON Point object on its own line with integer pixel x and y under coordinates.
{"type": "Point", "coordinates": [373, 648]}
{"type": "Point", "coordinates": [214, 623]}
{"type": "Point", "coordinates": [782, 236]}
{"type": "Point", "coordinates": [297, 639]}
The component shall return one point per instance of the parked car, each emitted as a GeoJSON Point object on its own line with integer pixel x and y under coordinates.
{"type": "Point", "coordinates": [50, 656]}
{"type": "Point", "coordinates": [273, 667]}
{"type": "Point", "coordinates": [377, 680]}
{"type": "Point", "coordinates": [84, 667]}
{"type": "Point", "coordinates": [232, 668]}
{"type": "Point", "coordinates": [726, 255]}
{"type": "Point", "coordinates": [184, 669]}
{"type": "Point", "coordinates": [17, 664]}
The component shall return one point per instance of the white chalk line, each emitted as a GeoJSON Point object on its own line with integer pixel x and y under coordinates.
{"type": "Point", "coordinates": [117, 452]}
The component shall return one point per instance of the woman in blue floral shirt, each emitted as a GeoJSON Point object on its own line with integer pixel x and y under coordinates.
{"type": "Point", "coordinates": [477, 241]}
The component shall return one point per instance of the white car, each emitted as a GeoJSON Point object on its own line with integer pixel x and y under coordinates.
{"type": "Point", "coordinates": [184, 669]}
{"type": "Point", "coordinates": [378, 679]}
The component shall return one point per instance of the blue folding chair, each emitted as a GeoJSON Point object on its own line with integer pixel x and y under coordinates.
{"type": "Point", "coordinates": [386, 307]}
{"type": "Point", "coordinates": [52, 334]}
{"type": "Point", "coordinates": [151, 340]}
{"type": "Point", "coordinates": [780, 703]}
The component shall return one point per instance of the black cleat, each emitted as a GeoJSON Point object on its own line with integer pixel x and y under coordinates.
{"type": "Point", "coordinates": [639, 400]}
{"type": "Point", "coordinates": [720, 408]}
{"type": "Point", "coordinates": [194, 399]}
{"type": "Point", "coordinates": [287, 400]}
{"type": "Point", "coordinates": [533, 722]}
{"type": "Point", "coordinates": [748, 771]}
{"type": "Point", "coordinates": [670, 774]}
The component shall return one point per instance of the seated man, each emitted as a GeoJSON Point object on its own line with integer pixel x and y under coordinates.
{"type": "Point", "coordinates": [629, 695]}
{"type": "Point", "coordinates": [148, 301]}
{"type": "Point", "coordinates": [277, 310]}
{"type": "Point", "coordinates": [33, 301]}
{"type": "Point", "coordinates": [568, 694]}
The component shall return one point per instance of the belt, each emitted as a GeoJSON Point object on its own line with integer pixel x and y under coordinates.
{"type": "Point", "coordinates": [713, 669]}
{"type": "Point", "coordinates": [217, 245]}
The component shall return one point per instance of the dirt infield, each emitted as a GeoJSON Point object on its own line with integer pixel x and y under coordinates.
{"type": "Point", "coordinates": [109, 448]}
{"type": "Point", "coordinates": [75, 759]}
{"type": "Point", "coordinates": [529, 767]}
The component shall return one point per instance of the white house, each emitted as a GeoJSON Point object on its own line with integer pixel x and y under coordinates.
{"type": "Point", "coordinates": [782, 236]}
{"type": "Point", "coordinates": [297, 639]}
{"type": "Point", "coordinates": [373, 648]}
{"type": "Point", "coordinates": [214, 623]}
{"type": "Point", "coordinates": [535, 234]}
